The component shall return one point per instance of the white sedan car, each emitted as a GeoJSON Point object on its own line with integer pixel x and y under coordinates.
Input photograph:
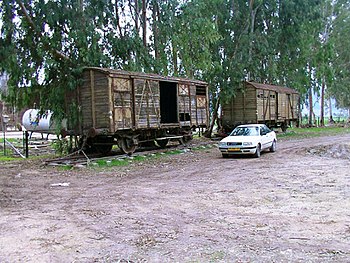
{"type": "Point", "coordinates": [248, 139]}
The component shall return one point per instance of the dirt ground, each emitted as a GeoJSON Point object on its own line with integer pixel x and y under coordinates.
{"type": "Point", "coordinates": [288, 206]}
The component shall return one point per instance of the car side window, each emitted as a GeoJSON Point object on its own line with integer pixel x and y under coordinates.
{"type": "Point", "coordinates": [262, 131]}
{"type": "Point", "coordinates": [267, 130]}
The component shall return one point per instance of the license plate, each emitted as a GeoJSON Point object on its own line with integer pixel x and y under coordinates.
{"type": "Point", "coordinates": [233, 149]}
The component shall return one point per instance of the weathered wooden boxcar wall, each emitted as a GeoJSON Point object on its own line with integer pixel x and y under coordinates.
{"type": "Point", "coordinates": [240, 109]}
{"type": "Point", "coordinates": [147, 105]}
{"type": "Point", "coordinates": [94, 100]}
{"type": "Point", "coordinates": [116, 100]}
{"type": "Point", "coordinates": [187, 101]}
{"type": "Point", "coordinates": [266, 104]}
{"type": "Point", "coordinates": [193, 105]}
{"type": "Point", "coordinates": [122, 102]}
{"type": "Point", "coordinates": [201, 108]}
{"type": "Point", "coordinates": [295, 102]}
{"type": "Point", "coordinates": [135, 102]}
{"type": "Point", "coordinates": [262, 103]}
{"type": "Point", "coordinates": [288, 106]}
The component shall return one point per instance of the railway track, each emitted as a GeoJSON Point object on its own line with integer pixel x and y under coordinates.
{"type": "Point", "coordinates": [80, 158]}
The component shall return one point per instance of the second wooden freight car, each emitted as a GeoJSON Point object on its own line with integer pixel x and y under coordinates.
{"type": "Point", "coordinates": [275, 106]}
{"type": "Point", "coordinates": [132, 108]}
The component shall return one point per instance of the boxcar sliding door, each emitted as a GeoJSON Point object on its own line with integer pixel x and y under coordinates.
{"type": "Point", "coordinates": [147, 113]}
{"type": "Point", "coordinates": [122, 103]}
{"type": "Point", "coordinates": [168, 102]}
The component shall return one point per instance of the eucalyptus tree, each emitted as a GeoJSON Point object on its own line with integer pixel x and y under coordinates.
{"type": "Point", "coordinates": [44, 45]}
{"type": "Point", "coordinates": [329, 70]}
{"type": "Point", "coordinates": [340, 88]}
{"type": "Point", "coordinates": [323, 69]}
{"type": "Point", "coordinates": [196, 31]}
{"type": "Point", "coordinates": [265, 41]}
{"type": "Point", "coordinates": [290, 30]}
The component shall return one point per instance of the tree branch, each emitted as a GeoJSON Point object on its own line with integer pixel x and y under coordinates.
{"type": "Point", "coordinates": [55, 53]}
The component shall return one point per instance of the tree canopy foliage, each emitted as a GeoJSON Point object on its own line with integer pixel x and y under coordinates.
{"type": "Point", "coordinates": [302, 44]}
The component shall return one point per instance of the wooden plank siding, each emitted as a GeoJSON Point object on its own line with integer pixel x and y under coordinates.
{"type": "Point", "coordinates": [147, 114]}
{"type": "Point", "coordinates": [242, 108]}
{"type": "Point", "coordinates": [115, 100]}
{"type": "Point", "coordinates": [184, 104]}
{"type": "Point", "coordinates": [93, 94]}
{"type": "Point", "coordinates": [201, 106]}
{"type": "Point", "coordinates": [122, 103]}
{"type": "Point", "coordinates": [193, 105]}
{"type": "Point", "coordinates": [266, 104]}
{"type": "Point", "coordinates": [256, 102]}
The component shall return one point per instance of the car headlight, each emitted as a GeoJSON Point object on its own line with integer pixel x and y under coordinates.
{"type": "Point", "coordinates": [247, 143]}
{"type": "Point", "coordinates": [222, 144]}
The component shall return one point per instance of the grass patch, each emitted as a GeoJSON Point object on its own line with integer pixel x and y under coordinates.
{"type": "Point", "coordinates": [116, 162]}
{"type": "Point", "coordinates": [139, 158]}
{"type": "Point", "coordinates": [11, 140]}
{"type": "Point", "coordinates": [154, 155]}
{"type": "Point", "coordinates": [7, 158]}
{"type": "Point", "coordinates": [113, 162]}
{"type": "Point", "coordinates": [174, 152]}
{"type": "Point", "coordinates": [135, 159]}
{"type": "Point", "coordinates": [299, 133]}
{"type": "Point", "coordinates": [66, 167]}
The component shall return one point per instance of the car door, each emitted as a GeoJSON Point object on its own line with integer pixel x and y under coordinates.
{"type": "Point", "coordinates": [266, 137]}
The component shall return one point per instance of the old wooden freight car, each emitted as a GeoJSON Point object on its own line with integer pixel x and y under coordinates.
{"type": "Point", "coordinates": [273, 105]}
{"type": "Point", "coordinates": [132, 109]}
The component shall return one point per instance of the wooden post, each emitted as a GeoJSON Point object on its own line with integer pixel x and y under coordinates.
{"type": "Point", "coordinates": [26, 135]}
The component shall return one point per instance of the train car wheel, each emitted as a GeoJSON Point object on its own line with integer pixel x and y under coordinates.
{"type": "Point", "coordinates": [162, 143]}
{"type": "Point", "coordinates": [127, 145]}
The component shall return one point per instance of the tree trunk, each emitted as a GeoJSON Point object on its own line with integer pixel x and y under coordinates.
{"type": "Point", "coordinates": [311, 111]}
{"type": "Point", "coordinates": [118, 19]}
{"type": "Point", "coordinates": [135, 14]}
{"type": "Point", "coordinates": [155, 16]}
{"type": "Point", "coordinates": [175, 60]}
{"type": "Point", "coordinates": [330, 111]}
{"type": "Point", "coordinates": [215, 116]}
{"type": "Point", "coordinates": [253, 12]}
{"type": "Point", "coordinates": [322, 101]}
{"type": "Point", "coordinates": [144, 23]}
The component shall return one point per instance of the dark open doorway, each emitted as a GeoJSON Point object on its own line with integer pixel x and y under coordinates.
{"type": "Point", "coordinates": [168, 102]}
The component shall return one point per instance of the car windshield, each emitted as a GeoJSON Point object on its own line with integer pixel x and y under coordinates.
{"type": "Point", "coordinates": [245, 131]}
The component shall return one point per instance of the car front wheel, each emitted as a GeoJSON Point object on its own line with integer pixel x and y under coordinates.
{"type": "Point", "coordinates": [224, 155]}
{"type": "Point", "coordinates": [258, 151]}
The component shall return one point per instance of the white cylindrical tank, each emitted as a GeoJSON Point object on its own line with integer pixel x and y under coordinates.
{"type": "Point", "coordinates": [32, 121]}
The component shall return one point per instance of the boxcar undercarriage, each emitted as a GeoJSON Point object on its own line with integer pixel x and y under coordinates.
{"type": "Point", "coordinates": [129, 141]}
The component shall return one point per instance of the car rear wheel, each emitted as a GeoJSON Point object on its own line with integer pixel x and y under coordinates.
{"type": "Point", "coordinates": [273, 146]}
{"type": "Point", "coordinates": [258, 151]}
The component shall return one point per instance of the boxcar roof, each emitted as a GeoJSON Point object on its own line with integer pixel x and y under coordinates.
{"type": "Point", "coordinates": [279, 89]}
{"type": "Point", "coordinates": [130, 74]}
